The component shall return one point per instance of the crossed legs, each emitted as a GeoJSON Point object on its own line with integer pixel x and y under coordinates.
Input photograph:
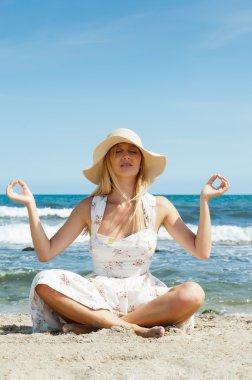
{"type": "Point", "coordinates": [172, 308]}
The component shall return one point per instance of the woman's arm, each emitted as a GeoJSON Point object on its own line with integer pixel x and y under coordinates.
{"type": "Point", "coordinates": [198, 245]}
{"type": "Point", "coordinates": [45, 248]}
{"type": "Point", "coordinates": [203, 237]}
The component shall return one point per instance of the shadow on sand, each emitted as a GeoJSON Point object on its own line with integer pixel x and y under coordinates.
{"type": "Point", "coordinates": [14, 329]}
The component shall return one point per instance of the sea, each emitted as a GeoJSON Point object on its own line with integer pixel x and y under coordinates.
{"type": "Point", "coordinates": [226, 276]}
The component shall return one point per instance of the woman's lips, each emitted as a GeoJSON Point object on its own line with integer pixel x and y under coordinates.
{"type": "Point", "coordinates": [126, 164]}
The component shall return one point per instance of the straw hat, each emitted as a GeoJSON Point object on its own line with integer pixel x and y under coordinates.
{"type": "Point", "coordinates": [154, 163]}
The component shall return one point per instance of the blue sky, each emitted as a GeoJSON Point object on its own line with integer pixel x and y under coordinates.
{"type": "Point", "coordinates": [176, 72]}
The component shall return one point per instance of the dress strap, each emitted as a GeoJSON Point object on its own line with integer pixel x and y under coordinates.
{"type": "Point", "coordinates": [149, 208]}
{"type": "Point", "coordinates": [97, 211]}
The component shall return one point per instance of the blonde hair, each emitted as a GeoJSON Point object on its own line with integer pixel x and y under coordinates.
{"type": "Point", "coordinates": [108, 183]}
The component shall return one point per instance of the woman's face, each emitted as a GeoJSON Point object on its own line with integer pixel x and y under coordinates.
{"type": "Point", "coordinates": [125, 159]}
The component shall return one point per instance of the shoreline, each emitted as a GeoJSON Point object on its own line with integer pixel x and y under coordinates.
{"type": "Point", "coordinates": [24, 311]}
{"type": "Point", "coordinates": [220, 347]}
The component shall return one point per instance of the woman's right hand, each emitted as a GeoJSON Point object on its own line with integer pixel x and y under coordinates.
{"type": "Point", "coordinates": [26, 197]}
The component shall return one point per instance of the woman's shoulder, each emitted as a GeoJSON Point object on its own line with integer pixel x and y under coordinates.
{"type": "Point", "coordinates": [86, 201]}
{"type": "Point", "coordinates": [84, 205]}
{"type": "Point", "coordinates": [165, 208]}
{"type": "Point", "coordinates": [163, 202]}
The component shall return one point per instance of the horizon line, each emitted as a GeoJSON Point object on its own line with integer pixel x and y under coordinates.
{"type": "Point", "coordinates": [152, 193]}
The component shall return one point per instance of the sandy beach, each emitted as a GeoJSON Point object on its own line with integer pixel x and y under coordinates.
{"type": "Point", "coordinates": [219, 348]}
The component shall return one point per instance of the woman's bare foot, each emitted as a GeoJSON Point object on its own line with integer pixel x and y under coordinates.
{"type": "Point", "coordinates": [77, 328]}
{"type": "Point", "coordinates": [153, 332]}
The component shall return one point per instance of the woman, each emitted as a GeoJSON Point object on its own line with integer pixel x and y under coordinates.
{"type": "Point", "coordinates": [123, 221]}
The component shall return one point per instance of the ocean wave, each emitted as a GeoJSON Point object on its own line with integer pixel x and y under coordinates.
{"type": "Point", "coordinates": [21, 212]}
{"type": "Point", "coordinates": [234, 234]}
{"type": "Point", "coordinates": [19, 233]}
{"type": "Point", "coordinates": [17, 273]}
{"type": "Point", "coordinates": [229, 234]}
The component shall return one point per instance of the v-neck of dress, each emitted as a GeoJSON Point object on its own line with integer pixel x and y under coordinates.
{"type": "Point", "coordinates": [110, 238]}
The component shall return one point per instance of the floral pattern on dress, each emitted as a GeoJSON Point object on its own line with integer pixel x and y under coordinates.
{"type": "Point", "coordinates": [138, 262]}
{"type": "Point", "coordinates": [117, 309]}
{"type": "Point", "coordinates": [120, 252]}
{"type": "Point", "coordinates": [122, 294]}
{"type": "Point", "coordinates": [64, 279]}
{"type": "Point", "coordinates": [98, 220]}
{"type": "Point", "coordinates": [131, 308]}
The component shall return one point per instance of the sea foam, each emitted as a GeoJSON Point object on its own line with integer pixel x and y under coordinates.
{"type": "Point", "coordinates": [21, 212]}
{"type": "Point", "coordinates": [19, 233]}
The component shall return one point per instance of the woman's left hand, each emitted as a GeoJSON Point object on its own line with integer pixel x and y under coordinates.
{"type": "Point", "coordinates": [209, 191]}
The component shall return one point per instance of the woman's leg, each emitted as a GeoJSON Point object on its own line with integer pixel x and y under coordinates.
{"type": "Point", "coordinates": [172, 308]}
{"type": "Point", "coordinates": [82, 315]}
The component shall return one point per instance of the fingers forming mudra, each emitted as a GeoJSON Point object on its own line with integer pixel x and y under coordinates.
{"type": "Point", "coordinates": [24, 197]}
{"type": "Point", "coordinates": [224, 185]}
{"type": "Point", "coordinates": [210, 191]}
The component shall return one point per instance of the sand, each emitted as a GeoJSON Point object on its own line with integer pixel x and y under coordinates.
{"type": "Point", "coordinates": [219, 348]}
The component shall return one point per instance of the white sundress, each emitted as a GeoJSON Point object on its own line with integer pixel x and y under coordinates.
{"type": "Point", "coordinates": [121, 280]}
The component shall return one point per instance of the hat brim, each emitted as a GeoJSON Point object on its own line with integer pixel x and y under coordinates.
{"type": "Point", "coordinates": [154, 163]}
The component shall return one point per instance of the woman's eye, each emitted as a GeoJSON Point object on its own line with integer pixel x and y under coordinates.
{"type": "Point", "coordinates": [130, 151]}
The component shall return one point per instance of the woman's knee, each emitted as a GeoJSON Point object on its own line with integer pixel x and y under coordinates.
{"type": "Point", "coordinates": [42, 290]}
{"type": "Point", "coordinates": [190, 295]}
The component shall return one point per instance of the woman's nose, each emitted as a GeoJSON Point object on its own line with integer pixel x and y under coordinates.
{"type": "Point", "coordinates": [125, 154]}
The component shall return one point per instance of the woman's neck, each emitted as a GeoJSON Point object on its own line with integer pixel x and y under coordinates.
{"type": "Point", "coordinates": [122, 195]}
